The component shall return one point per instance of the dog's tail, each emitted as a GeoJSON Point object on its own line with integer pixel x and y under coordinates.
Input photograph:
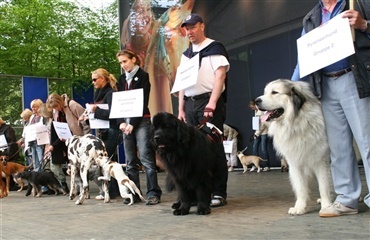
{"type": "Point", "coordinates": [261, 159]}
{"type": "Point", "coordinates": [127, 184]}
{"type": "Point", "coordinates": [28, 167]}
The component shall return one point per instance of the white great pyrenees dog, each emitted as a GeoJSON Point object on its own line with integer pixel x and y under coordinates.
{"type": "Point", "coordinates": [298, 131]}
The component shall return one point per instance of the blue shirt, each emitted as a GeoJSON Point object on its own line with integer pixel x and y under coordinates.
{"type": "Point", "coordinates": [326, 16]}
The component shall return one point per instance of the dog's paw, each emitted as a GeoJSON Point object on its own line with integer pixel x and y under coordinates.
{"type": "Point", "coordinates": [296, 211]}
{"type": "Point", "coordinates": [181, 211]}
{"type": "Point", "coordinates": [176, 205]}
{"type": "Point", "coordinates": [71, 197]}
{"type": "Point", "coordinates": [203, 211]}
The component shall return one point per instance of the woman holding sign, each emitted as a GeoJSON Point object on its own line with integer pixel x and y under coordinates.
{"type": "Point", "coordinates": [105, 84]}
{"type": "Point", "coordinates": [137, 129]}
{"type": "Point", "coordinates": [67, 111]}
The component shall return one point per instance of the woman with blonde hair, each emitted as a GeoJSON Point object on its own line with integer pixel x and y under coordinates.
{"type": "Point", "coordinates": [37, 151]}
{"type": "Point", "coordinates": [105, 84]}
{"type": "Point", "coordinates": [25, 115]}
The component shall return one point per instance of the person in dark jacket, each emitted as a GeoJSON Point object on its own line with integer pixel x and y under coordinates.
{"type": "Point", "coordinates": [105, 84]}
{"type": "Point", "coordinates": [136, 130]}
{"type": "Point", "coordinates": [344, 89]}
{"type": "Point", "coordinates": [11, 148]}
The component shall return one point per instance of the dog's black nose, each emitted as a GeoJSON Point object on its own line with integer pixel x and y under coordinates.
{"type": "Point", "coordinates": [257, 100]}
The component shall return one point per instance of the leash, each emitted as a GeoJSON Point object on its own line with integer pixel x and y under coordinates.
{"type": "Point", "coordinates": [8, 145]}
{"type": "Point", "coordinates": [250, 140]}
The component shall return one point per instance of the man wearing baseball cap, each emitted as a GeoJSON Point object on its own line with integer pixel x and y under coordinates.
{"type": "Point", "coordinates": [206, 99]}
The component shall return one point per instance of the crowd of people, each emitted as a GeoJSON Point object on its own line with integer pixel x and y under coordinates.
{"type": "Point", "coordinates": [345, 106]}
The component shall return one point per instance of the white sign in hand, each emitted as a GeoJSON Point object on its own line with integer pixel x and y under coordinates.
{"type": "Point", "coordinates": [325, 45]}
{"type": "Point", "coordinates": [126, 104]}
{"type": "Point", "coordinates": [62, 130]}
{"type": "Point", "coordinates": [186, 74]}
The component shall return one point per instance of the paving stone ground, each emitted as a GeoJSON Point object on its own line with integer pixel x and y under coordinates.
{"type": "Point", "coordinates": [257, 209]}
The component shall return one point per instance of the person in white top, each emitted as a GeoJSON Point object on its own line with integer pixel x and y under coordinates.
{"type": "Point", "coordinates": [205, 101]}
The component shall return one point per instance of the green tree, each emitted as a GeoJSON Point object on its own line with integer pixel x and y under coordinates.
{"type": "Point", "coordinates": [55, 39]}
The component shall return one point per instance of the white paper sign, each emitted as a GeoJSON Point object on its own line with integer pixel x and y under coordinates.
{"type": "Point", "coordinates": [126, 104]}
{"type": "Point", "coordinates": [97, 123]}
{"type": "Point", "coordinates": [325, 45]}
{"type": "Point", "coordinates": [30, 132]}
{"type": "Point", "coordinates": [3, 142]}
{"type": "Point", "coordinates": [228, 146]}
{"type": "Point", "coordinates": [62, 130]}
{"type": "Point", "coordinates": [186, 74]}
{"type": "Point", "coordinates": [255, 123]}
{"type": "Point", "coordinates": [42, 135]}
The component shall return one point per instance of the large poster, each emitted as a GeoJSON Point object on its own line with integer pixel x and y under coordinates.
{"type": "Point", "coordinates": [159, 41]}
{"type": "Point", "coordinates": [34, 88]}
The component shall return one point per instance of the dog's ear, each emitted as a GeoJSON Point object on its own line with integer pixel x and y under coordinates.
{"type": "Point", "coordinates": [298, 100]}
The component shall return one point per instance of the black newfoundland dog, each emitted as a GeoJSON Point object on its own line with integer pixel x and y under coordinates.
{"type": "Point", "coordinates": [188, 156]}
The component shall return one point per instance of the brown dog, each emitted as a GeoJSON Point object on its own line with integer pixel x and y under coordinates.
{"type": "Point", "coordinates": [9, 168]}
{"type": "Point", "coordinates": [247, 160]}
{"type": "Point", "coordinates": [3, 192]}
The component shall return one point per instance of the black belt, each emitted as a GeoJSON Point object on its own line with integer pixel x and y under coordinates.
{"type": "Point", "coordinates": [196, 97]}
{"type": "Point", "coordinates": [339, 73]}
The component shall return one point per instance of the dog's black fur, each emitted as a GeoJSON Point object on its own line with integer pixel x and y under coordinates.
{"type": "Point", "coordinates": [38, 179]}
{"type": "Point", "coordinates": [189, 158]}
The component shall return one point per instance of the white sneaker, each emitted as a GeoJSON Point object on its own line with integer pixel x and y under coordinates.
{"type": "Point", "coordinates": [266, 169]}
{"type": "Point", "coordinates": [337, 209]}
{"type": "Point", "coordinates": [253, 168]}
{"type": "Point", "coordinates": [99, 197]}
{"type": "Point", "coordinates": [231, 169]}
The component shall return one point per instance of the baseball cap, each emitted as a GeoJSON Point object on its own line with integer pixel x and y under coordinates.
{"type": "Point", "coordinates": [192, 19]}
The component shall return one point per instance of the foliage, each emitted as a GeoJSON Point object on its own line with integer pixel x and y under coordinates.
{"type": "Point", "coordinates": [55, 39]}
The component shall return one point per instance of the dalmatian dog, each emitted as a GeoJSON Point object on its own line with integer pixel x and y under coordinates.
{"type": "Point", "coordinates": [127, 187]}
{"type": "Point", "coordinates": [83, 152]}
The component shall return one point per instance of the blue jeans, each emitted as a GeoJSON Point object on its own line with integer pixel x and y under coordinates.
{"type": "Point", "coordinates": [346, 115]}
{"type": "Point", "coordinates": [37, 152]}
{"type": "Point", "coordinates": [261, 141]}
{"type": "Point", "coordinates": [139, 140]}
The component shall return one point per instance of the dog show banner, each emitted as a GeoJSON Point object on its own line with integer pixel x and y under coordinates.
{"type": "Point", "coordinates": [325, 45]}
{"type": "Point", "coordinates": [126, 104]}
{"type": "Point", "coordinates": [187, 74]}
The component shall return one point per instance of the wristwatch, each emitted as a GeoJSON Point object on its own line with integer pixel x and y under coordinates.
{"type": "Point", "coordinates": [367, 26]}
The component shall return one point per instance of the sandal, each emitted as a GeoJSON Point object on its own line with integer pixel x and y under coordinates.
{"type": "Point", "coordinates": [218, 201]}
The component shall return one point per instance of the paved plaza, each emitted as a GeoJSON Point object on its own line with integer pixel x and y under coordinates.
{"type": "Point", "coordinates": [257, 209]}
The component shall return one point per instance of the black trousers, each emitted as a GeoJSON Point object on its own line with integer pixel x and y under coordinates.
{"type": "Point", "coordinates": [194, 110]}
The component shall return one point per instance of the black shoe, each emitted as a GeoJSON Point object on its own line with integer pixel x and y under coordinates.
{"type": "Point", "coordinates": [136, 200]}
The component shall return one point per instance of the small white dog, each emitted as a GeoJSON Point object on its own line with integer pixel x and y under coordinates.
{"type": "Point", "coordinates": [114, 169]}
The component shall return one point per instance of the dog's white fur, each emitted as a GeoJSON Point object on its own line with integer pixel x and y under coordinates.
{"type": "Point", "coordinates": [247, 160]}
{"type": "Point", "coordinates": [114, 169]}
{"type": "Point", "coordinates": [82, 154]}
{"type": "Point", "coordinates": [299, 135]}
